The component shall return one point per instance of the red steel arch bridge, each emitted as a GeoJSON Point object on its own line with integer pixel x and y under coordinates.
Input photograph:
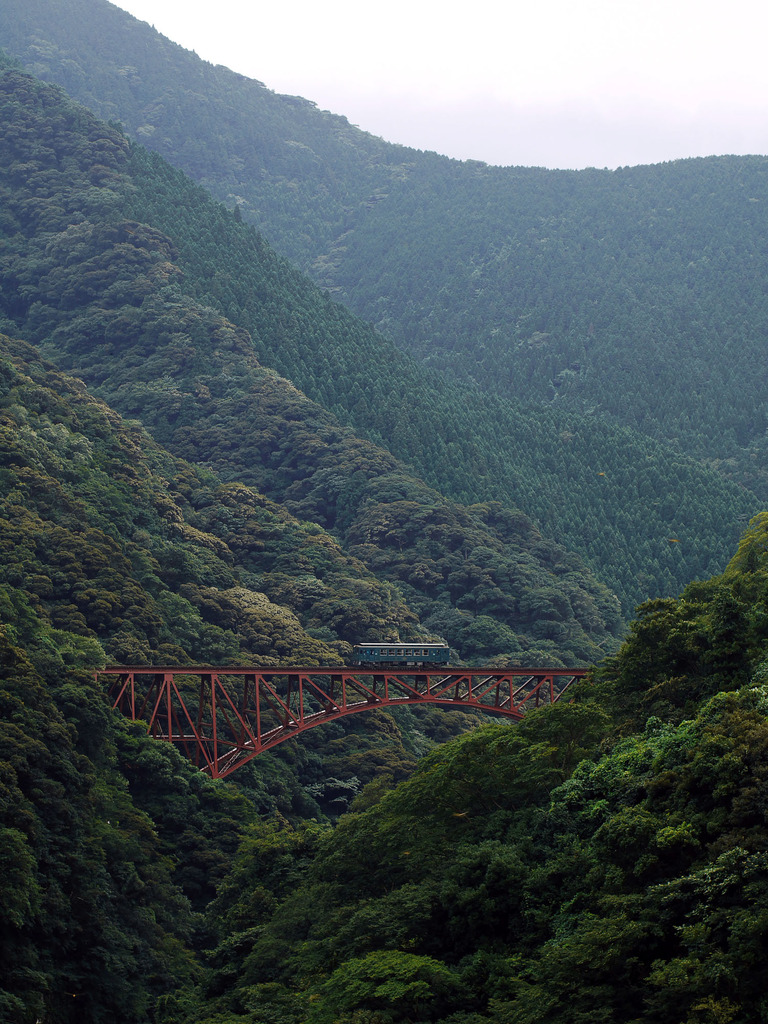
{"type": "Point", "coordinates": [223, 717]}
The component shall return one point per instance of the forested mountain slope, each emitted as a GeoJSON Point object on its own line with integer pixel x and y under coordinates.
{"type": "Point", "coordinates": [637, 295]}
{"type": "Point", "coordinates": [112, 845]}
{"type": "Point", "coordinates": [145, 559]}
{"type": "Point", "coordinates": [603, 861]}
{"type": "Point", "coordinates": [134, 888]}
{"type": "Point", "coordinates": [97, 292]}
{"type": "Point", "coordinates": [604, 865]}
{"type": "Point", "coordinates": [645, 517]}
{"type": "Point", "coordinates": [624, 852]}
{"type": "Point", "coordinates": [274, 155]}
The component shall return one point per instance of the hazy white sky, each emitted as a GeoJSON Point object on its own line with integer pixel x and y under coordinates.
{"type": "Point", "coordinates": [557, 83]}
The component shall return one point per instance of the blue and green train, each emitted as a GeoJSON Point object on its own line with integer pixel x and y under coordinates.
{"type": "Point", "coordinates": [399, 654]}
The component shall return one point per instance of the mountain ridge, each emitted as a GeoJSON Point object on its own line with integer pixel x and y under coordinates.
{"type": "Point", "coordinates": [560, 287]}
{"type": "Point", "coordinates": [422, 242]}
{"type": "Point", "coordinates": [603, 859]}
{"type": "Point", "coordinates": [100, 294]}
{"type": "Point", "coordinates": [316, 342]}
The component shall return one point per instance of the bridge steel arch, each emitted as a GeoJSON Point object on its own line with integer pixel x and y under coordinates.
{"type": "Point", "coordinates": [224, 717]}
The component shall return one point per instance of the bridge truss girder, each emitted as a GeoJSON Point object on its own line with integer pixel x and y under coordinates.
{"type": "Point", "coordinates": [224, 717]}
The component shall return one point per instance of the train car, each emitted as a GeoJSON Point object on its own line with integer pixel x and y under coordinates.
{"type": "Point", "coordinates": [400, 654]}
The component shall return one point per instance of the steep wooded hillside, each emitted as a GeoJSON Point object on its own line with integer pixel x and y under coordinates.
{"type": "Point", "coordinates": [98, 292]}
{"type": "Point", "coordinates": [146, 559]}
{"type": "Point", "coordinates": [625, 853]}
{"type": "Point", "coordinates": [273, 155]}
{"type": "Point", "coordinates": [645, 517]}
{"type": "Point", "coordinates": [604, 865]}
{"type": "Point", "coordinates": [112, 845]}
{"type": "Point", "coordinates": [114, 550]}
{"type": "Point", "coordinates": [635, 295]}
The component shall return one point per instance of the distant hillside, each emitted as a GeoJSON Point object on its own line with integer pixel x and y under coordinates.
{"type": "Point", "coordinates": [273, 155]}
{"type": "Point", "coordinates": [422, 246]}
{"type": "Point", "coordinates": [98, 292]}
{"type": "Point", "coordinates": [636, 296]}
{"type": "Point", "coordinates": [91, 290]}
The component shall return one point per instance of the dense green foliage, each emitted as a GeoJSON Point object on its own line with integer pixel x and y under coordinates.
{"type": "Point", "coordinates": [119, 546]}
{"type": "Point", "coordinates": [96, 292]}
{"type": "Point", "coordinates": [112, 548]}
{"type": "Point", "coordinates": [635, 295]}
{"type": "Point", "coordinates": [605, 860]}
{"type": "Point", "coordinates": [124, 292]}
{"type": "Point", "coordinates": [93, 927]}
{"type": "Point", "coordinates": [591, 864]}
{"type": "Point", "coordinates": [609, 493]}
{"type": "Point", "coordinates": [113, 845]}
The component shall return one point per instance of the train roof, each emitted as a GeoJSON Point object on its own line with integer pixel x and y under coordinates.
{"type": "Point", "coordinates": [405, 643]}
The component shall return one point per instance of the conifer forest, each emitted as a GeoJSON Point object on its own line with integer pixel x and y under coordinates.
{"type": "Point", "coordinates": [272, 387]}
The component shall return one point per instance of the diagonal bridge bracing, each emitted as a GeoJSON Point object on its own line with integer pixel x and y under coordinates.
{"type": "Point", "coordinates": [223, 717]}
